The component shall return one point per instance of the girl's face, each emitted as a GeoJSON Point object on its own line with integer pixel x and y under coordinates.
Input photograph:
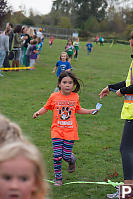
{"type": "Point", "coordinates": [63, 57]}
{"type": "Point", "coordinates": [17, 178]}
{"type": "Point", "coordinates": [66, 85]}
{"type": "Point", "coordinates": [69, 42]}
{"type": "Point", "coordinates": [24, 30]}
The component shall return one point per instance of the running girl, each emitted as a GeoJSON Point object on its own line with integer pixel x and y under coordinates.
{"type": "Point", "coordinates": [64, 105]}
{"type": "Point", "coordinates": [62, 64]}
{"type": "Point", "coordinates": [70, 49]}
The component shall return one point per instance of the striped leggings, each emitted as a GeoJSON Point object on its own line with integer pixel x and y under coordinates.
{"type": "Point", "coordinates": [61, 149]}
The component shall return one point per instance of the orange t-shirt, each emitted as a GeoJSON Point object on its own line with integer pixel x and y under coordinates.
{"type": "Point", "coordinates": [64, 123]}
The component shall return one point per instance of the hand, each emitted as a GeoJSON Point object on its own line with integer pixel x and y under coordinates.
{"type": "Point", "coordinates": [104, 92]}
{"type": "Point", "coordinates": [35, 115]}
{"type": "Point", "coordinates": [118, 93]}
{"type": "Point", "coordinates": [92, 110]}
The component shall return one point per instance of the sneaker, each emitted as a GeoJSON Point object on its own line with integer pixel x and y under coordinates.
{"type": "Point", "coordinates": [72, 164]}
{"type": "Point", "coordinates": [114, 195]}
{"type": "Point", "coordinates": [1, 75]}
{"type": "Point", "coordinates": [58, 182]}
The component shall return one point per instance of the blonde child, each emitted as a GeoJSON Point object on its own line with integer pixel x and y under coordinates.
{"type": "Point", "coordinates": [39, 46]}
{"type": "Point", "coordinates": [9, 131]}
{"type": "Point", "coordinates": [21, 172]}
{"type": "Point", "coordinates": [62, 64]}
{"type": "Point", "coordinates": [64, 132]}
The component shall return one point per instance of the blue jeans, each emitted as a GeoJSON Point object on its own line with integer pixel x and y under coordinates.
{"type": "Point", "coordinates": [2, 57]}
{"type": "Point", "coordinates": [21, 56]}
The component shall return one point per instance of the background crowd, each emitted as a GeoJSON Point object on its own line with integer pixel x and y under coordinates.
{"type": "Point", "coordinates": [20, 44]}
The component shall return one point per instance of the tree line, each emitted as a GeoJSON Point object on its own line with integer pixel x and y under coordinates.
{"type": "Point", "coordinates": [111, 17]}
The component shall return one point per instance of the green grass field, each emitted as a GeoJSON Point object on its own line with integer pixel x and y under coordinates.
{"type": "Point", "coordinates": [97, 151]}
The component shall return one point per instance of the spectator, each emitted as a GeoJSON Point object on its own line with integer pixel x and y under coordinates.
{"type": "Point", "coordinates": [34, 51]}
{"type": "Point", "coordinates": [26, 42]}
{"type": "Point", "coordinates": [6, 60]}
{"type": "Point", "coordinates": [4, 46]}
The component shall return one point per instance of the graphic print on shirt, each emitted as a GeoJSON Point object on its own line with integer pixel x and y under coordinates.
{"type": "Point", "coordinates": [64, 113]}
{"type": "Point", "coordinates": [63, 66]}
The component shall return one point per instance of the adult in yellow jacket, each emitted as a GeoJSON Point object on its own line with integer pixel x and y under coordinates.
{"type": "Point", "coordinates": [125, 88]}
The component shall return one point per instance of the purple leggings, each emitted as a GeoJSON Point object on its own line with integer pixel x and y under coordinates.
{"type": "Point", "coordinates": [61, 149]}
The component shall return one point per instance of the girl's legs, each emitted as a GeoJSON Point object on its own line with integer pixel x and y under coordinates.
{"type": "Point", "coordinates": [57, 157]}
{"type": "Point", "coordinates": [126, 149]}
{"type": "Point", "coordinates": [76, 54]}
{"type": "Point", "coordinates": [67, 150]}
{"type": "Point", "coordinates": [62, 149]}
{"type": "Point", "coordinates": [68, 156]}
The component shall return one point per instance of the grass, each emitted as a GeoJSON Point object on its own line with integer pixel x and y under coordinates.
{"type": "Point", "coordinates": [97, 151]}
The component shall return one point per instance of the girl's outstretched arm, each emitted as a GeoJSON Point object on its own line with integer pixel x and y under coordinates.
{"type": "Point", "coordinates": [86, 111]}
{"type": "Point", "coordinates": [54, 69]}
{"type": "Point", "coordinates": [39, 112]}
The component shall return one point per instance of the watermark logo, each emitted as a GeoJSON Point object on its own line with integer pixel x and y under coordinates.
{"type": "Point", "coordinates": [126, 191]}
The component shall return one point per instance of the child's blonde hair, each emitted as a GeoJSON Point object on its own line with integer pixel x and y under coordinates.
{"type": "Point", "coordinates": [9, 131]}
{"type": "Point", "coordinates": [30, 31]}
{"type": "Point", "coordinates": [30, 152]}
{"type": "Point", "coordinates": [65, 53]}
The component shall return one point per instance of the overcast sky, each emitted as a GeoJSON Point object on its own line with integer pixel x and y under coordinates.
{"type": "Point", "coordinates": [38, 6]}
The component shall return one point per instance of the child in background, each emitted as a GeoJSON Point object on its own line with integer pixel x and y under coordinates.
{"type": "Point", "coordinates": [69, 48]}
{"type": "Point", "coordinates": [51, 39]}
{"type": "Point", "coordinates": [89, 47]}
{"type": "Point", "coordinates": [33, 54]}
{"type": "Point", "coordinates": [21, 172]}
{"type": "Point", "coordinates": [76, 46]}
{"type": "Point", "coordinates": [61, 65]}
{"type": "Point", "coordinates": [64, 132]}
{"type": "Point", "coordinates": [101, 40]}
{"type": "Point", "coordinates": [28, 52]}
{"type": "Point", "coordinates": [39, 46]}
{"type": "Point", "coordinates": [9, 131]}
{"type": "Point", "coordinates": [97, 39]}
